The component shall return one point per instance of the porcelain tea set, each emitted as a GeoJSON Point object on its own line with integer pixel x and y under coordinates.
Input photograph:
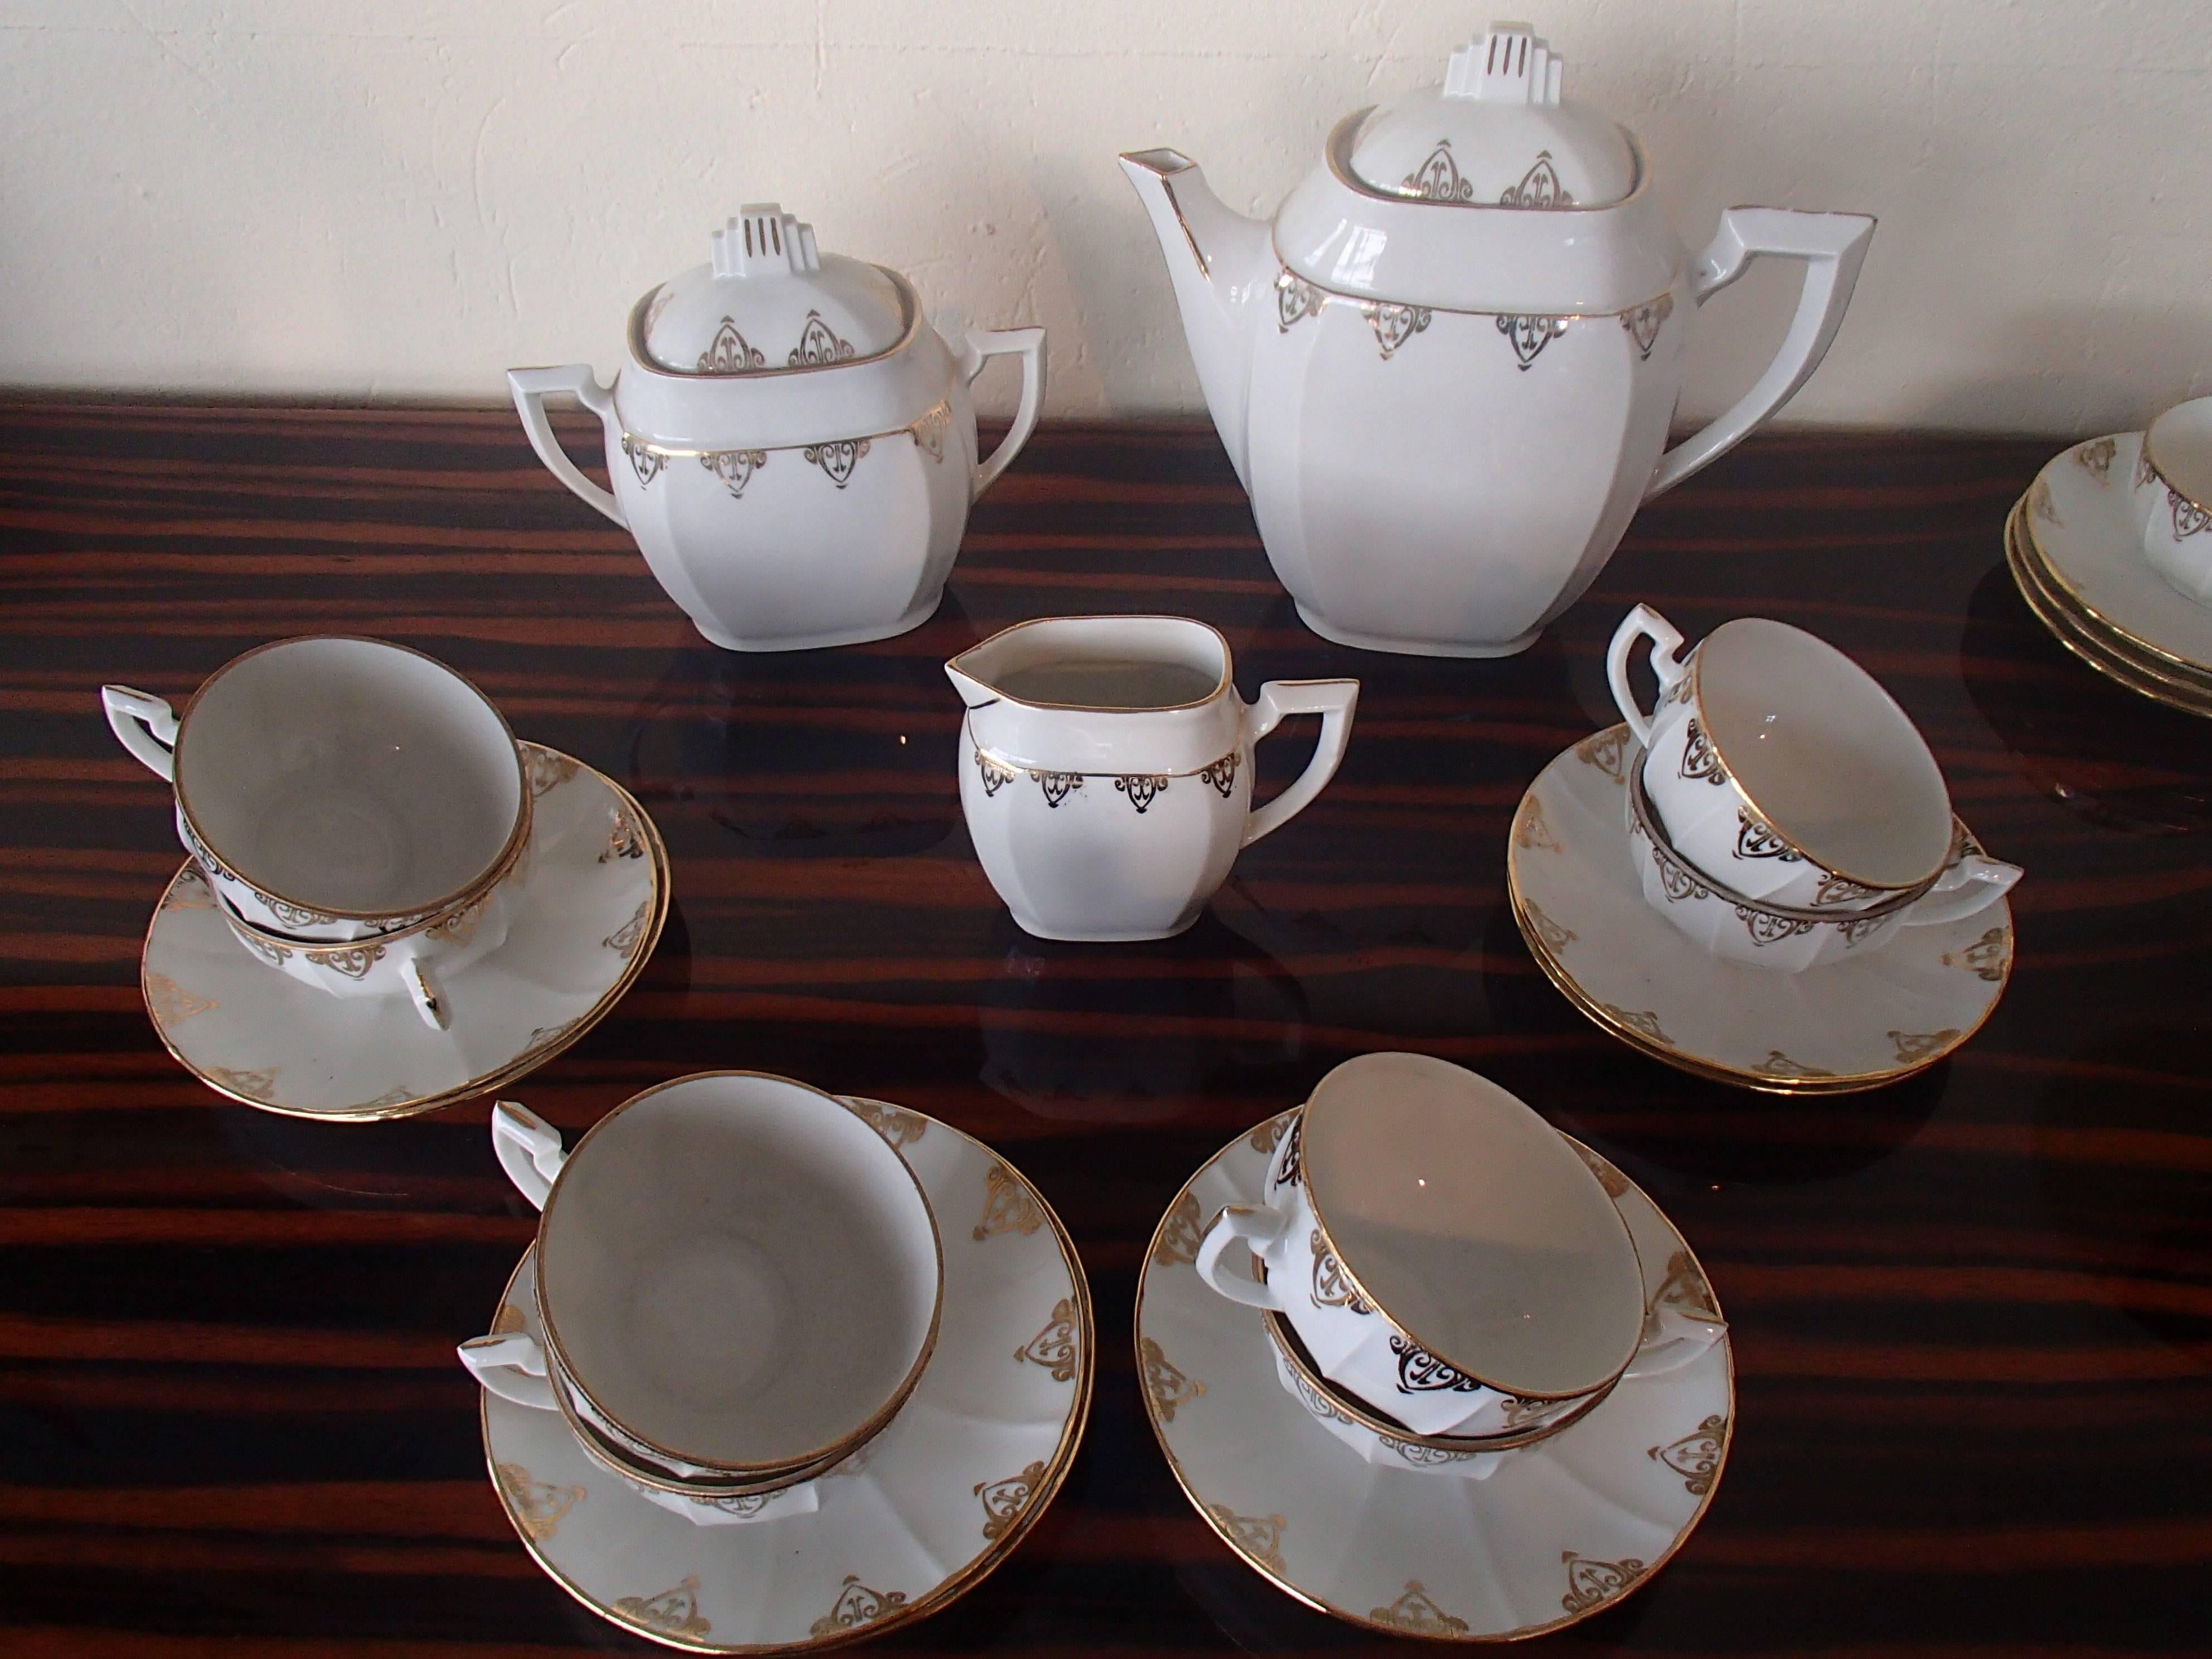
{"type": "Point", "coordinates": [782, 1367]}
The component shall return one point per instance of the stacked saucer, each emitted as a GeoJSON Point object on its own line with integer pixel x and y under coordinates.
{"type": "Point", "coordinates": [391, 904]}
{"type": "Point", "coordinates": [782, 1368]}
{"type": "Point", "coordinates": [2076, 546]}
{"type": "Point", "coordinates": [1490, 1390]}
{"type": "Point", "coordinates": [1761, 881]}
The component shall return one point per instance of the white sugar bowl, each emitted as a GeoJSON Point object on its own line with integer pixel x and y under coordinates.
{"type": "Point", "coordinates": [792, 443]}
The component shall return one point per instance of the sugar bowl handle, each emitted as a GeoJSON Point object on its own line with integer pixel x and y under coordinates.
{"type": "Point", "coordinates": [1258, 1228]}
{"type": "Point", "coordinates": [1643, 623]}
{"type": "Point", "coordinates": [530, 388]}
{"type": "Point", "coordinates": [512, 1367]}
{"type": "Point", "coordinates": [1333, 701]}
{"type": "Point", "coordinates": [528, 1148]}
{"type": "Point", "coordinates": [981, 344]}
{"type": "Point", "coordinates": [144, 725]}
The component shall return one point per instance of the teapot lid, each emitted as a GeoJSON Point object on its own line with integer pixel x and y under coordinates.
{"type": "Point", "coordinates": [1497, 133]}
{"type": "Point", "coordinates": [768, 302]}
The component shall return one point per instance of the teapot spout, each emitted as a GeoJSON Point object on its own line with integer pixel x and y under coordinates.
{"type": "Point", "coordinates": [1216, 259]}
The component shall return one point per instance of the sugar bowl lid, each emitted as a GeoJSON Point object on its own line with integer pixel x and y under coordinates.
{"type": "Point", "coordinates": [1471, 1225]}
{"type": "Point", "coordinates": [769, 302]}
{"type": "Point", "coordinates": [1497, 133]}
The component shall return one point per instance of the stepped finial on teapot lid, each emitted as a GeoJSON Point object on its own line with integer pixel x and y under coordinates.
{"type": "Point", "coordinates": [763, 240]}
{"type": "Point", "coordinates": [1509, 64]}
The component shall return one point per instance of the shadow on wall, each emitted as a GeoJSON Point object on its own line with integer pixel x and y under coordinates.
{"type": "Point", "coordinates": [2120, 351]}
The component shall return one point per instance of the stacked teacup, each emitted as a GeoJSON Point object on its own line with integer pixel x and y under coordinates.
{"type": "Point", "coordinates": [1783, 811]}
{"type": "Point", "coordinates": [739, 1281]}
{"type": "Point", "coordinates": [1445, 1279]}
{"type": "Point", "coordinates": [358, 810]}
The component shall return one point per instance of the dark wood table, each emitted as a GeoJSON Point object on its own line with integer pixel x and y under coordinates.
{"type": "Point", "coordinates": [1972, 1312]}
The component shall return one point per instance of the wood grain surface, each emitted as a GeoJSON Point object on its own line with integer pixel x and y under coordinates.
{"type": "Point", "coordinates": [1972, 1313]}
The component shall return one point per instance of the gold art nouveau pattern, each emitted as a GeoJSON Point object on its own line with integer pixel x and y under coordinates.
{"type": "Point", "coordinates": [1696, 1456]}
{"type": "Point", "coordinates": [1168, 1387]}
{"type": "Point", "coordinates": [1179, 1238]}
{"type": "Point", "coordinates": [1590, 1583]}
{"type": "Point", "coordinates": [1416, 1613]}
{"type": "Point", "coordinates": [1009, 1206]}
{"type": "Point", "coordinates": [1260, 1537]}
{"type": "Point", "coordinates": [856, 1605]}
{"type": "Point", "coordinates": [676, 1610]}
{"type": "Point", "coordinates": [1004, 1500]}
{"type": "Point", "coordinates": [537, 1505]}
{"type": "Point", "coordinates": [1058, 1346]}
{"type": "Point", "coordinates": [894, 1123]}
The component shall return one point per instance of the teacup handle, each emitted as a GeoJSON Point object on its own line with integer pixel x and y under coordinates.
{"type": "Point", "coordinates": [1677, 1338]}
{"type": "Point", "coordinates": [1973, 884]}
{"type": "Point", "coordinates": [1333, 701]}
{"type": "Point", "coordinates": [1028, 344]}
{"type": "Point", "coordinates": [430, 1001]}
{"type": "Point", "coordinates": [1257, 1227]}
{"type": "Point", "coordinates": [144, 725]}
{"type": "Point", "coordinates": [1643, 623]}
{"type": "Point", "coordinates": [511, 1366]}
{"type": "Point", "coordinates": [528, 1148]}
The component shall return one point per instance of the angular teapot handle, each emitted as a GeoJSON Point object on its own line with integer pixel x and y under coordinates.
{"type": "Point", "coordinates": [1832, 246]}
{"type": "Point", "coordinates": [530, 388]}
{"type": "Point", "coordinates": [981, 345]}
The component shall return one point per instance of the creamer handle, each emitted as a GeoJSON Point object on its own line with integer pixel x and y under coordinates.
{"type": "Point", "coordinates": [1333, 701]}
{"type": "Point", "coordinates": [531, 387]}
{"type": "Point", "coordinates": [1028, 344]}
{"type": "Point", "coordinates": [1832, 246]}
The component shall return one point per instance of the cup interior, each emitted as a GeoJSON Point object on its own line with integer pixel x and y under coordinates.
{"type": "Point", "coordinates": [349, 775]}
{"type": "Point", "coordinates": [2179, 445]}
{"type": "Point", "coordinates": [1472, 1225]}
{"type": "Point", "coordinates": [739, 1271]}
{"type": "Point", "coordinates": [1823, 752]}
{"type": "Point", "coordinates": [1110, 664]}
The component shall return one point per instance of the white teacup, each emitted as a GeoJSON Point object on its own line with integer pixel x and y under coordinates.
{"type": "Point", "coordinates": [1788, 939]}
{"type": "Point", "coordinates": [1444, 1255]}
{"type": "Point", "coordinates": [2172, 497]}
{"type": "Point", "coordinates": [1106, 769]}
{"type": "Point", "coordinates": [740, 1280]}
{"type": "Point", "coordinates": [1781, 767]}
{"type": "Point", "coordinates": [333, 788]}
{"type": "Point", "coordinates": [414, 961]}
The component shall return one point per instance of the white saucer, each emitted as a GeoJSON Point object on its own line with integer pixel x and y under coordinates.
{"type": "Point", "coordinates": [921, 1514]}
{"type": "Point", "coordinates": [2078, 519]}
{"type": "Point", "coordinates": [588, 913]}
{"type": "Point", "coordinates": [1558, 1529]}
{"type": "Point", "coordinates": [1853, 1025]}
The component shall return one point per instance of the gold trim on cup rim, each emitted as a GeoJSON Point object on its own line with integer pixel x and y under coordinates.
{"type": "Point", "coordinates": [838, 1449]}
{"type": "Point", "coordinates": [521, 1065]}
{"type": "Point", "coordinates": [475, 898]}
{"type": "Point", "coordinates": [1735, 783]}
{"type": "Point", "coordinates": [1300, 1359]}
{"type": "Point", "coordinates": [516, 835]}
{"type": "Point", "coordinates": [919, 1605]}
{"type": "Point", "coordinates": [1274, 1573]}
{"type": "Point", "coordinates": [1714, 1071]}
{"type": "Point", "coordinates": [1224, 683]}
{"type": "Point", "coordinates": [1313, 1203]}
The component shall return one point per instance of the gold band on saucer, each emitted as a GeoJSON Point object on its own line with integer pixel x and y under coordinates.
{"type": "Point", "coordinates": [2111, 650]}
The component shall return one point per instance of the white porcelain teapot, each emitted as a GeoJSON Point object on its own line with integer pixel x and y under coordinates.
{"type": "Point", "coordinates": [1444, 372]}
{"type": "Point", "coordinates": [790, 441]}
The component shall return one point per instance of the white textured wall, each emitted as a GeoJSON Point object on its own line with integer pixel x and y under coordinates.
{"type": "Point", "coordinates": [393, 198]}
